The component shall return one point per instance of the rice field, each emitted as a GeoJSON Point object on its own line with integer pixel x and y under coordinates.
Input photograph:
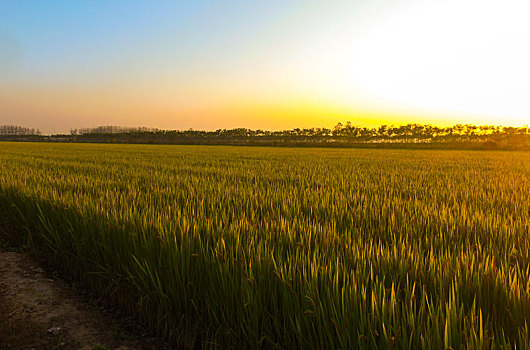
{"type": "Point", "coordinates": [286, 248]}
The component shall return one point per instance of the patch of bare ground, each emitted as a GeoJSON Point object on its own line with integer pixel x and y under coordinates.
{"type": "Point", "coordinates": [40, 311]}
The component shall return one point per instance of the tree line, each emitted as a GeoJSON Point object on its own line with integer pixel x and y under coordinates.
{"type": "Point", "coordinates": [110, 129]}
{"type": "Point", "coordinates": [341, 135]}
{"type": "Point", "coordinates": [418, 131]}
{"type": "Point", "coordinates": [15, 130]}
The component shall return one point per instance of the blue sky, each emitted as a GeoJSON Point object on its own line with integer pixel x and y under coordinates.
{"type": "Point", "coordinates": [269, 64]}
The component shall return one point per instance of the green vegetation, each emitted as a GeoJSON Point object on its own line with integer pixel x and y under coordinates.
{"type": "Point", "coordinates": [100, 347]}
{"type": "Point", "coordinates": [404, 136]}
{"type": "Point", "coordinates": [287, 247]}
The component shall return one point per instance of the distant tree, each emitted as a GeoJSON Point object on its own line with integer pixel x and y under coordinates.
{"type": "Point", "coordinates": [15, 130]}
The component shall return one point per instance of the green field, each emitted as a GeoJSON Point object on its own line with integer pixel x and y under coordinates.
{"type": "Point", "coordinates": [244, 247]}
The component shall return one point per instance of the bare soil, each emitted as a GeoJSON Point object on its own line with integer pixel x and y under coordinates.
{"type": "Point", "coordinates": [40, 311]}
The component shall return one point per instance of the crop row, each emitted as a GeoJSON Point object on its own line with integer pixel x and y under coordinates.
{"type": "Point", "coordinates": [286, 248]}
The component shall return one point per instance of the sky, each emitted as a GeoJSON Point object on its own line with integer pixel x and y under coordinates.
{"type": "Point", "coordinates": [263, 64]}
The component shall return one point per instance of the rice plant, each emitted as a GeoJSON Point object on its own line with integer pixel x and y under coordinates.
{"type": "Point", "coordinates": [242, 247]}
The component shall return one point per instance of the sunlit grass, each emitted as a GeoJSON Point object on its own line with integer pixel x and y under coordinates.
{"type": "Point", "coordinates": [289, 248]}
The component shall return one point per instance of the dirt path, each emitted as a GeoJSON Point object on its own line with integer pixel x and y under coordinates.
{"type": "Point", "coordinates": [38, 311]}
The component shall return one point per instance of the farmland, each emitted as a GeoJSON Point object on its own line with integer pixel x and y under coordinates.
{"type": "Point", "coordinates": [290, 248]}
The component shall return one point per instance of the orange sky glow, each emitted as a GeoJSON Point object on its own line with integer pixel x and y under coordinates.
{"type": "Point", "coordinates": [274, 65]}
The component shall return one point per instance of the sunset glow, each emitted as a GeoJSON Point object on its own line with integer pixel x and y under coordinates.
{"type": "Point", "coordinates": [272, 65]}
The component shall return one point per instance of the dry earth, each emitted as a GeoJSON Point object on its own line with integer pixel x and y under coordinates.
{"type": "Point", "coordinates": [40, 311]}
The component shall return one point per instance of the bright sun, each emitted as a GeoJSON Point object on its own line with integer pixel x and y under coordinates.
{"type": "Point", "coordinates": [465, 57]}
